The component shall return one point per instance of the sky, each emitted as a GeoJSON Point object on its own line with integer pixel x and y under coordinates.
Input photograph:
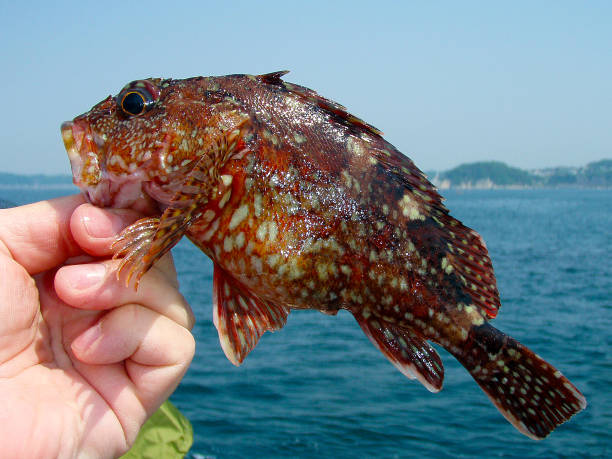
{"type": "Point", "coordinates": [527, 83]}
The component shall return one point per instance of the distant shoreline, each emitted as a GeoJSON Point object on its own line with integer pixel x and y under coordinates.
{"type": "Point", "coordinates": [441, 188]}
{"type": "Point", "coordinates": [495, 174]}
{"type": "Point", "coordinates": [482, 175]}
{"type": "Point", "coordinates": [520, 187]}
{"type": "Point", "coordinates": [59, 186]}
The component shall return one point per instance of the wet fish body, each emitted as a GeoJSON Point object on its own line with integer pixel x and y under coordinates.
{"type": "Point", "coordinates": [301, 205]}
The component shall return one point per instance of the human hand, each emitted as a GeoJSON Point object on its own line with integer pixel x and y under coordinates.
{"type": "Point", "coordinates": [84, 360]}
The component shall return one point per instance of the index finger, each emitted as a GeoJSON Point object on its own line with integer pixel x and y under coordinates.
{"type": "Point", "coordinates": [37, 236]}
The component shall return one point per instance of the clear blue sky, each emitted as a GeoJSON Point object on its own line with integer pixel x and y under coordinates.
{"type": "Point", "coordinates": [528, 83]}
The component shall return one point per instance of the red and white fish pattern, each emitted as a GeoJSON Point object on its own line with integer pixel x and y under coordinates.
{"type": "Point", "coordinates": [301, 205]}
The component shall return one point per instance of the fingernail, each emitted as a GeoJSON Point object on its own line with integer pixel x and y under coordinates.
{"type": "Point", "coordinates": [86, 339]}
{"type": "Point", "coordinates": [83, 277]}
{"type": "Point", "coordinates": [102, 224]}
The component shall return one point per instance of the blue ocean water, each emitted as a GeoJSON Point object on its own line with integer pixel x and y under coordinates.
{"type": "Point", "coordinates": [318, 388]}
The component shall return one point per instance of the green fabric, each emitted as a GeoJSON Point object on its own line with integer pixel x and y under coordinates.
{"type": "Point", "coordinates": [167, 434]}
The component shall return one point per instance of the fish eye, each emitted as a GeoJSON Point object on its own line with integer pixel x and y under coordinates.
{"type": "Point", "coordinates": [137, 97]}
{"type": "Point", "coordinates": [133, 103]}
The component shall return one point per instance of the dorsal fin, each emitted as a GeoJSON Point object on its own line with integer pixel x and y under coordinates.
{"type": "Point", "coordinates": [338, 111]}
{"type": "Point", "coordinates": [401, 169]}
{"type": "Point", "coordinates": [466, 253]}
{"type": "Point", "coordinates": [468, 256]}
{"type": "Point", "coordinates": [273, 77]}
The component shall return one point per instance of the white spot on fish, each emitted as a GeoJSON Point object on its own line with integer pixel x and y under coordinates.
{"type": "Point", "coordinates": [410, 207]}
{"type": "Point", "coordinates": [257, 264]}
{"type": "Point", "coordinates": [208, 215]}
{"type": "Point", "coordinates": [272, 231]}
{"type": "Point", "coordinates": [257, 201]}
{"type": "Point", "coordinates": [354, 146]}
{"type": "Point", "coordinates": [238, 216]}
{"type": "Point", "coordinates": [262, 231]}
{"type": "Point", "coordinates": [273, 260]}
{"type": "Point", "coordinates": [295, 272]}
{"type": "Point", "coordinates": [322, 271]}
{"type": "Point", "coordinates": [447, 267]}
{"type": "Point", "coordinates": [224, 199]}
{"type": "Point", "coordinates": [211, 231]}
{"type": "Point", "coordinates": [299, 138]}
{"type": "Point", "coordinates": [239, 240]}
{"type": "Point", "coordinates": [227, 179]}
{"type": "Point", "coordinates": [228, 243]}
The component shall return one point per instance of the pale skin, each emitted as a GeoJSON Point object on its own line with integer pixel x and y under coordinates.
{"type": "Point", "coordinates": [83, 359]}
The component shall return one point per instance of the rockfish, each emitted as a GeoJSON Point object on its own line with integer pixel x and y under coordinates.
{"type": "Point", "coordinates": [301, 205]}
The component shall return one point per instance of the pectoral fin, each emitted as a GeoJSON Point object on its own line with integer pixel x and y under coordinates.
{"type": "Point", "coordinates": [406, 350]}
{"type": "Point", "coordinates": [146, 241]}
{"type": "Point", "coordinates": [241, 317]}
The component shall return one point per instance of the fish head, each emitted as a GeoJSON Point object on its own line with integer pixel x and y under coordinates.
{"type": "Point", "coordinates": [128, 150]}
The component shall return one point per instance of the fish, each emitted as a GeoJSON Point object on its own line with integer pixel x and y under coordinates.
{"type": "Point", "coordinates": [302, 205]}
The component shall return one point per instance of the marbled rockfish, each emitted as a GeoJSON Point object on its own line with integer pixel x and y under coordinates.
{"type": "Point", "coordinates": [302, 205]}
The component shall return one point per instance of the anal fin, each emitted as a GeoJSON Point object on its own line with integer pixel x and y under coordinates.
{"type": "Point", "coordinates": [406, 350]}
{"type": "Point", "coordinates": [241, 317]}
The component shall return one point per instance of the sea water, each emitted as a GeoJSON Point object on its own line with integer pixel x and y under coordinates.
{"type": "Point", "coordinates": [318, 388]}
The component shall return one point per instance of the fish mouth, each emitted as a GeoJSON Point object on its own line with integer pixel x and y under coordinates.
{"type": "Point", "coordinates": [84, 148]}
{"type": "Point", "coordinates": [68, 139]}
{"type": "Point", "coordinates": [87, 151]}
{"type": "Point", "coordinates": [71, 149]}
{"type": "Point", "coordinates": [87, 170]}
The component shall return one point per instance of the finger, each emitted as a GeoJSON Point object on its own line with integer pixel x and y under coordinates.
{"type": "Point", "coordinates": [156, 350]}
{"type": "Point", "coordinates": [94, 286]}
{"type": "Point", "coordinates": [95, 229]}
{"type": "Point", "coordinates": [37, 236]}
{"type": "Point", "coordinates": [166, 266]}
{"type": "Point", "coordinates": [135, 332]}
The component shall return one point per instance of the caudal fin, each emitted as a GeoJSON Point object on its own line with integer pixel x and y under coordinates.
{"type": "Point", "coordinates": [531, 394]}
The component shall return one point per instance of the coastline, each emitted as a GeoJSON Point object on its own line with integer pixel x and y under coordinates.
{"type": "Point", "coordinates": [37, 186]}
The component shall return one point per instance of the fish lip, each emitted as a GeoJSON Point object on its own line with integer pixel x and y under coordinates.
{"type": "Point", "coordinates": [71, 148]}
{"type": "Point", "coordinates": [75, 137]}
{"type": "Point", "coordinates": [83, 147]}
{"type": "Point", "coordinates": [70, 144]}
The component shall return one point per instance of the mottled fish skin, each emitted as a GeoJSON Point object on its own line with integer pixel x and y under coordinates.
{"type": "Point", "coordinates": [301, 205]}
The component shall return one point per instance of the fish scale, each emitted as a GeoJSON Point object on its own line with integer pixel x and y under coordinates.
{"type": "Point", "coordinates": [302, 205]}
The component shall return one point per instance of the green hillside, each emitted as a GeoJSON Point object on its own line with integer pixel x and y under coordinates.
{"type": "Point", "coordinates": [497, 172]}
{"type": "Point", "coordinates": [598, 173]}
{"type": "Point", "coordinates": [493, 174]}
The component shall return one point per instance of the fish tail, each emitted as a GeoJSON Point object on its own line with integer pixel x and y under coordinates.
{"type": "Point", "coordinates": [530, 393]}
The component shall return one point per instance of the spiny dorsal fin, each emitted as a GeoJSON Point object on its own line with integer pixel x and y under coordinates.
{"type": "Point", "coordinates": [334, 108]}
{"type": "Point", "coordinates": [274, 77]}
